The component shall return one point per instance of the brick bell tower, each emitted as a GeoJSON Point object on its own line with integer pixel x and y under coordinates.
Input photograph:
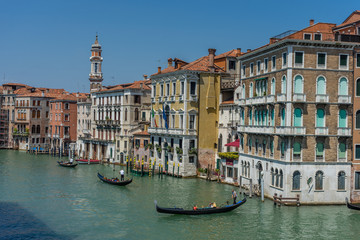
{"type": "Point", "coordinates": [95, 75]}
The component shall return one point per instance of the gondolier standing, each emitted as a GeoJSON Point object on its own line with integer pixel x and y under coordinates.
{"type": "Point", "coordinates": [234, 196]}
{"type": "Point", "coordinates": [122, 175]}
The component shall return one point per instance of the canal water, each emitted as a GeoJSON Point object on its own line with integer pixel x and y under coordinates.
{"type": "Point", "coordinates": [41, 200]}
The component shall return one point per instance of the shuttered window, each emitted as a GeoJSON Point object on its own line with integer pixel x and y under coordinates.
{"type": "Point", "coordinates": [319, 150]}
{"type": "Point", "coordinates": [342, 151]}
{"type": "Point", "coordinates": [299, 57]}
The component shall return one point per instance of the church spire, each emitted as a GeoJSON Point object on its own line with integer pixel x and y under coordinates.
{"type": "Point", "coordinates": [95, 75]}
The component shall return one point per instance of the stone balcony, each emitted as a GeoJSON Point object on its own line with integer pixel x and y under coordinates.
{"type": "Point", "coordinates": [299, 97]}
{"type": "Point", "coordinates": [344, 99]}
{"type": "Point", "coordinates": [260, 100]}
{"type": "Point", "coordinates": [281, 97]}
{"type": "Point", "coordinates": [344, 132]}
{"type": "Point", "coordinates": [285, 130]}
{"type": "Point", "coordinates": [173, 131]}
{"type": "Point", "coordinates": [240, 102]}
{"type": "Point", "coordinates": [260, 129]}
{"type": "Point", "coordinates": [86, 131]}
{"type": "Point", "coordinates": [193, 98]}
{"type": "Point", "coordinates": [322, 98]}
{"type": "Point", "coordinates": [321, 131]}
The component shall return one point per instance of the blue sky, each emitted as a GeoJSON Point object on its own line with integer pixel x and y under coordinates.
{"type": "Point", "coordinates": [47, 43]}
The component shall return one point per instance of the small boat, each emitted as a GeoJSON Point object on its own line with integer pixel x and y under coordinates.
{"type": "Point", "coordinates": [67, 164]}
{"type": "Point", "coordinates": [352, 206]}
{"type": "Point", "coordinates": [114, 181]}
{"type": "Point", "coordinates": [200, 211]}
{"type": "Point", "coordinates": [87, 161]}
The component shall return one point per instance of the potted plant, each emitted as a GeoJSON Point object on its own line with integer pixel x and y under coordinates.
{"type": "Point", "coordinates": [150, 146]}
{"type": "Point", "coordinates": [179, 151]}
{"type": "Point", "coordinates": [158, 148]}
{"type": "Point", "coordinates": [170, 149]}
{"type": "Point", "coordinates": [192, 151]}
{"type": "Point", "coordinates": [137, 146]}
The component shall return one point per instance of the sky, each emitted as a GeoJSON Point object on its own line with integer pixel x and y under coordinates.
{"type": "Point", "coordinates": [46, 43]}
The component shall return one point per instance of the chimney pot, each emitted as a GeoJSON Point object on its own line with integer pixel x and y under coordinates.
{"type": "Point", "coordinates": [159, 69]}
{"type": "Point", "coordinates": [211, 59]}
{"type": "Point", "coordinates": [311, 22]}
{"type": "Point", "coordinates": [170, 61]}
{"type": "Point", "coordinates": [238, 52]}
{"type": "Point", "coordinates": [145, 76]}
{"type": "Point", "coordinates": [249, 50]}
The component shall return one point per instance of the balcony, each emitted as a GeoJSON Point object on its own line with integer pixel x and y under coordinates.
{"type": "Point", "coordinates": [181, 98]}
{"type": "Point", "coordinates": [322, 98]}
{"type": "Point", "coordinates": [256, 100]}
{"type": "Point", "coordinates": [281, 97]}
{"type": "Point", "coordinates": [347, 38]}
{"type": "Point", "coordinates": [344, 99]}
{"type": "Point", "coordinates": [173, 131]}
{"type": "Point", "coordinates": [240, 101]}
{"type": "Point", "coordinates": [56, 135]}
{"type": "Point", "coordinates": [66, 136]}
{"type": "Point", "coordinates": [321, 131]}
{"type": "Point", "coordinates": [193, 98]}
{"type": "Point", "coordinates": [344, 132]}
{"type": "Point", "coordinates": [241, 128]}
{"type": "Point", "coordinates": [291, 130]}
{"type": "Point", "coordinates": [172, 99]}
{"type": "Point", "coordinates": [259, 129]}
{"type": "Point", "coordinates": [299, 97]}
{"type": "Point", "coordinates": [270, 99]}
{"type": "Point", "coordinates": [86, 131]}
{"type": "Point", "coordinates": [20, 134]}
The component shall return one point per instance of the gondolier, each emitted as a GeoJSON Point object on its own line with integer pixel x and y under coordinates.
{"type": "Point", "coordinates": [234, 196]}
{"type": "Point", "coordinates": [122, 175]}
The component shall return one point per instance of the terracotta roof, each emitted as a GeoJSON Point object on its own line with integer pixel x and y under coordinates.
{"type": "Point", "coordinates": [227, 102]}
{"type": "Point", "coordinates": [15, 84]}
{"type": "Point", "coordinates": [133, 85]}
{"type": "Point", "coordinates": [39, 92]}
{"type": "Point", "coordinates": [142, 133]}
{"type": "Point", "coordinates": [231, 53]}
{"type": "Point", "coordinates": [354, 17]}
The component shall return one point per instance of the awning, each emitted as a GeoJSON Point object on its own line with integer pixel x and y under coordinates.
{"type": "Point", "coordinates": [236, 143]}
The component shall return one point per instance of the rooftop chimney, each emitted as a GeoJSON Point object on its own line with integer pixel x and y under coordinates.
{"type": "Point", "coordinates": [238, 52]}
{"type": "Point", "coordinates": [141, 86]}
{"type": "Point", "coordinates": [170, 62]}
{"type": "Point", "coordinates": [249, 50]}
{"type": "Point", "coordinates": [211, 59]}
{"type": "Point", "coordinates": [42, 93]}
{"type": "Point", "coordinates": [159, 70]}
{"type": "Point", "coordinates": [145, 76]}
{"type": "Point", "coordinates": [311, 22]}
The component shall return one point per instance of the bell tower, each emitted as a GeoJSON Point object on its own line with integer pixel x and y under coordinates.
{"type": "Point", "coordinates": [95, 75]}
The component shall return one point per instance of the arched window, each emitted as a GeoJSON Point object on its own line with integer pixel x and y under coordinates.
{"type": "Point", "coordinates": [319, 180]}
{"type": "Point", "coordinates": [242, 115]}
{"type": "Point", "coordinates": [357, 119]}
{"type": "Point", "coordinates": [250, 117]}
{"type": "Point", "coordinates": [281, 176]}
{"type": "Point", "coordinates": [272, 117]}
{"type": "Point", "coordinates": [273, 86]}
{"type": "Point", "coordinates": [245, 169]}
{"type": "Point", "coordinates": [167, 114]}
{"type": "Point", "coordinates": [297, 150]}
{"type": "Point", "coordinates": [243, 91]}
{"type": "Point", "coordinates": [276, 177]}
{"type": "Point", "coordinates": [341, 180]}
{"type": "Point", "coordinates": [319, 150]}
{"type": "Point", "coordinates": [358, 87]}
{"type": "Point", "coordinates": [249, 144]}
{"type": "Point", "coordinates": [298, 84]}
{"type": "Point", "coordinates": [342, 151]}
{"type": "Point", "coordinates": [38, 114]}
{"type": "Point", "coordinates": [33, 113]}
{"type": "Point", "coordinates": [33, 129]}
{"type": "Point", "coordinates": [251, 92]}
{"type": "Point", "coordinates": [283, 85]}
{"type": "Point", "coordinates": [38, 129]}
{"type": "Point", "coordinates": [297, 117]}
{"type": "Point", "coordinates": [283, 117]}
{"type": "Point", "coordinates": [256, 117]}
{"type": "Point", "coordinates": [136, 114]}
{"type": "Point", "coordinates": [272, 177]}
{"type": "Point", "coordinates": [220, 143]}
{"type": "Point", "coordinates": [296, 181]}
{"type": "Point", "coordinates": [343, 86]}
{"type": "Point", "coordinates": [248, 166]}
{"type": "Point", "coordinates": [342, 118]}
{"type": "Point", "coordinates": [320, 85]}
{"type": "Point", "coordinates": [320, 118]}
{"type": "Point", "coordinates": [125, 114]}
{"type": "Point", "coordinates": [242, 168]}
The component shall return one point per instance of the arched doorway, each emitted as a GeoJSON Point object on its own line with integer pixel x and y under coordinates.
{"type": "Point", "coordinates": [259, 168]}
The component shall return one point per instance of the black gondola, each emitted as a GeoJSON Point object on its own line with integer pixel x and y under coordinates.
{"type": "Point", "coordinates": [67, 164]}
{"type": "Point", "coordinates": [111, 181]}
{"type": "Point", "coordinates": [200, 211]}
{"type": "Point", "coordinates": [352, 206]}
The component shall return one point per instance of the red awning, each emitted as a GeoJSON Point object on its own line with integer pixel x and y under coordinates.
{"type": "Point", "coordinates": [236, 143]}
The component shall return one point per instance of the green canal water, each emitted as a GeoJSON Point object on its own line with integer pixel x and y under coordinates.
{"type": "Point", "coordinates": [74, 204]}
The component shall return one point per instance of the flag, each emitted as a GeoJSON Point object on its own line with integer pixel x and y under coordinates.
{"type": "Point", "coordinates": [153, 116]}
{"type": "Point", "coordinates": [165, 119]}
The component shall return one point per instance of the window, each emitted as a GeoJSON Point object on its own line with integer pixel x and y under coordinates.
{"type": "Point", "coordinates": [358, 87]}
{"type": "Point", "coordinates": [342, 118]}
{"type": "Point", "coordinates": [297, 150]}
{"type": "Point", "coordinates": [143, 117]}
{"type": "Point", "coordinates": [342, 151]}
{"type": "Point", "coordinates": [251, 69]}
{"type": "Point", "coordinates": [251, 91]}
{"type": "Point", "coordinates": [317, 36]}
{"type": "Point", "coordinates": [266, 65]}
{"type": "Point", "coordinates": [282, 149]}
{"type": "Point", "coordinates": [343, 87]}
{"type": "Point", "coordinates": [272, 86]}
{"type": "Point", "coordinates": [272, 177]}
{"type": "Point", "coordinates": [307, 36]}
{"type": "Point", "coordinates": [319, 180]}
{"type": "Point", "coordinates": [297, 117]}
{"type": "Point", "coordinates": [220, 143]}
{"type": "Point", "coordinates": [320, 86]}
{"type": "Point", "coordinates": [264, 147]}
{"type": "Point", "coordinates": [154, 90]}
{"type": "Point", "coordinates": [283, 117]}
{"type": "Point", "coordinates": [182, 88]}
{"type": "Point", "coordinates": [192, 122]}
{"type": "Point", "coordinates": [161, 90]}
{"type": "Point", "coordinates": [299, 59]}
{"type": "Point", "coordinates": [232, 65]}
{"type": "Point", "coordinates": [96, 67]}
{"type": "Point", "coordinates": [271, 147]}
{"type": "Point", "coordinates": [67, 118]}
{"type": "Point", "coordinates": [284, 55]}
{"type": "Point", "coordinates": [343, 61]}
{"type": "Point", "coordinates": [281, 177]}
{"type": "Point", "coordinates": [273, 63]}
{"type": "Point", "coordinates": [66, 106]}
{"type": "Point", "coordinates": [321, 60]}
{"type": "Point", "coordinates": [358, 60]}
{"type": "Point", "coordinates": [249, 144]}
{"type": "Point", "coordinates": [357, 151]}
{"type": "Point", "coordinates": [319, 150]}
{"type": "Point", "coordinates": [283, 85]}
{"type": "Point", "coordinates": [136, 114]}
{"type": "Point", "coordinates": [174, 89]}
{"type": "Point", "coordinates": [243, 70]}
{"type": "Point", "coordinates": [167, 89]}
{"type": "Point", "coordinates": [298, 85]}
{"type": "Point", "coordinates": [341, 180]}
{"type": "Point", "coordinates": [296, 181]}
{"type": "Point", "coordinates": [320, 118]}
{"type": "Point", "coordinates": [276, 177]}
{"type": "Point", "coordinates": [357, 180]}
{"type": "Point", "coordinates": [258, 67]}
{"type": "Point", "coordinates": [172, 121]}
{"type": "Point", "coordinates": [191, 159]}
{"type": "Point", "coordinates": [125, 114]}
{"type": "Point", "coordinates": [193, 88]}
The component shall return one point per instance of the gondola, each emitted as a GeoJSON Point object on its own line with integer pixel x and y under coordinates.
{"type": "Point", "coordinates": [199, 211]}
{"type": "Point", "coordinates": [110, 181]}
{"type": "Point", "coordinates": [352, 206]}
{"type": "Point", "coordinates": [67, 164]}
{"type": "Point", "coordinates": [86, 161]}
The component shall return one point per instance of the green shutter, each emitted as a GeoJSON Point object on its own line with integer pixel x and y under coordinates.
{"type": "Point", "coordinates": [297, 148]}
{"type": "Point", "coordinates": [272, 117]}
{"type": "Point", "coordinates": [357, 151]}
{"type": "Point", "coordinates": [283, 117]}
{"type": "Point", "coordinates": [297, 117]}
{"type": "Point", "coordinates": [282, 147]}
{"type": "Point", "coordinates": [319, 149]}
{"type": "Point", "coordinates": [299, 57]}
{"type": "Point", "coordinates": [343, 60]}
{"type": "Point", "coordinates": [344, 87]}
{"type": "Point", "coordinates": [342, 118]}
{"type": "Point", "coordinates": [298, 88]}
{"type": "Point", "coordinates": [342, 150]}
{"type": "Point", "coordinates": [320, 86]}
{"type": "Point", "coordinates": [272, 146]}
{"type": "Point", "coordinates": [358, 87]}
{"type": "Point", "coordinates": [321, 58]}
{"type": "Point", "coordinates": [320, 118]}
{"type": "Point", "coordinates": [250, 117]}
{"type": "Point", "coordinates": [358, 60]}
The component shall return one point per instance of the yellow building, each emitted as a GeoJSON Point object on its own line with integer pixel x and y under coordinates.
{"type": "Point", "coordinates": [185, 105]}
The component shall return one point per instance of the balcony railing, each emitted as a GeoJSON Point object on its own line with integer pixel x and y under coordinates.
{"type": "Point", "coordinates": [166, 131]}
{"type": "Point", "coordinates": [345, 132]}
{"type": "Point", "coordinates": [193, 98]}
{"type": "Point", "coordinates": [240, 101]}
{"type": "Point", "coordinates": [321, 130]}
{"type": "Point", "coordinates": [281, 97]}
{"type": "Point", "coordinates": [290, 130]}
{"type": "Point", "coordinates": [344, 99]}
{"type": "Point", "coordinates": [172, 99]}
{"type": "Point", "coordinates": [322, 98]}
{"type": "Point", "coordinates": [260, 129]}
{"type": "Point", "coordinates": [86, 131]}
{"type": "Point", "coordinates": [181, 98]}
{"type": "Point", "coordinates": [299, 97]}
{"type": "Point", "coordinates": [270, 99]}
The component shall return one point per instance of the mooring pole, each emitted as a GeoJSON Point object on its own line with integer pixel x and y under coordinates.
{"type": "Point", "coordinates": [262, 186]}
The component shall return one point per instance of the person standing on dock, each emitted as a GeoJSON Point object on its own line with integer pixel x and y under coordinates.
{"type": "Point", "coordinates": [234, 196]}
{"type": "Point", "coordinates": [122, 175]}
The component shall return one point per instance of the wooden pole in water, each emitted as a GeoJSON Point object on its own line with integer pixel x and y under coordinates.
{"type": "Point", "coordinates": [178, 170]}
{"type": "Point", "coordinates": [127, 164]}
{"type": "Point", "coordinates": [142, 167]}
{"type": "Point", "coordinates": [250, 194]}
{"type": "Point", "coordinates": [173, 173]}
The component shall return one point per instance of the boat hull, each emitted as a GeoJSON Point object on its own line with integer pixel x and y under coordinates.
{"type": "Point", "coordinates": [118, 183]}
{"type": "Point", "coordinates": [67, 164]}
{"type": "Point", "coordinates": [352, 206]}
{"type": "Point", "coordinates": [200, 211]}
